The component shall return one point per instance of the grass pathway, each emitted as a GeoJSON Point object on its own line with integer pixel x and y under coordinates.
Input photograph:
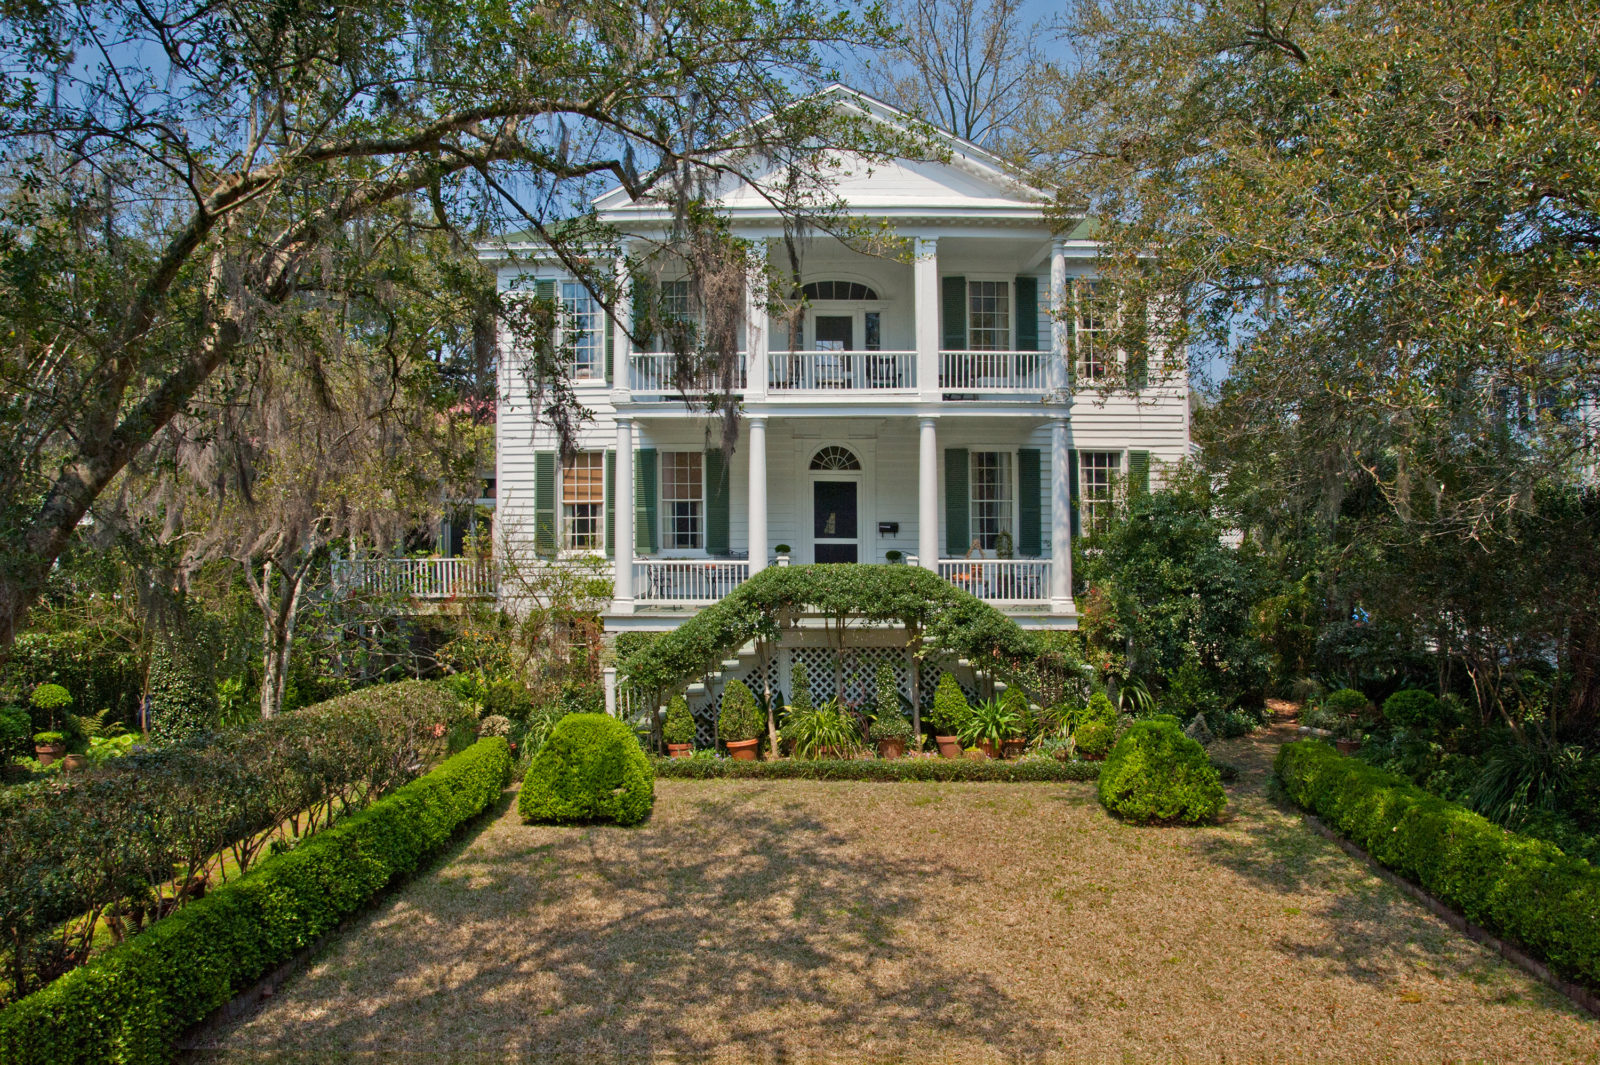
{"type": "Point", "coordinates": [809, 921]}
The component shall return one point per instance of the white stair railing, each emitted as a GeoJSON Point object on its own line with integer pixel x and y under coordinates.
{"type": "Point", "coordinates": [417, 578]}
{"type": "Point", "coordinates": [1000, 580]}
{"type": "Point", "coordinates": [994, 371]}
{"type": "Point", "coordinates": [841, 371]}
{"type": "Point", "coordinates": [688, 580]}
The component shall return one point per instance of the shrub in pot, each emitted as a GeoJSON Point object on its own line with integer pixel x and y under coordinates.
{"type": "Point", "coordinates": [949, 715]}
{"type": "Point", "coordinates": [738, 723]}
{"type": "Point", "coordinates": [678, 731]}
{"type": "Point", "coordinates": [825, 731]}
{"type": "Point", "coordinates": [1157, 774]}
{"type": "Point", "coordinates": [891, 731]}
{"type": "Point", "coordinates": [48, 746]}
{"type": "Point", "coordinates": [989, 724]}
{"type": "Point", "coordinates": [591, 769]}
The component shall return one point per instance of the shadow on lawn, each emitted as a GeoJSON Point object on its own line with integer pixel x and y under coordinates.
{"type": "Point", "coordinates": [740, 920]}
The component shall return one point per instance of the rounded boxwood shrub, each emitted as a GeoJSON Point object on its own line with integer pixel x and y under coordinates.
{"type": "Point", "coordinates": [679, 726]}
{"type": "Point", "coordinates": [1093, 738]}
{"type": "Point", "coordinates": [591, 769]}
{"type": "Point", "coordinates": [1156, 773]}
{"type": "Point", "coordinates": [1412, 708]}
{"type": "Point", "coordinates": [1346, 701]}
{"type": "Point", "coordinates": [738, 719]}
{"type": "Point", "coordinates": [950, 708]}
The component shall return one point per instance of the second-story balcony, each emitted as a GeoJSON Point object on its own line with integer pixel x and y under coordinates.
{"type": "Point", "coordinates": [657, 376]}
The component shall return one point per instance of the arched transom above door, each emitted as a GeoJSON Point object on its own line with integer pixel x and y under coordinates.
{"type": "Point", "coordinates": [834, 457]}
{"type": "Point", "coordinates": [837, 290]}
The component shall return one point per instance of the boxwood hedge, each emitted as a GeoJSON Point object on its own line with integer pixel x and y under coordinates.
{"type": "Point", "coordinates": [1521, 888]}
{"type": "Point", "coordinates": [591, 769]}
{"type": "Point", "coordinates": [131, 1003]}
{"type": "Point", "coordinates": [885, 770]}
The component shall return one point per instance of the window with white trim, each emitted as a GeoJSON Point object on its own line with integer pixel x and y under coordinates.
{"type": "Point", "coordinates": [1097, 478]}
{"type": "Point", "coordinates": [682, 500]}
{"type": "Point", "coordinates": [1090, 331]}
{"type": "Point", "coordinates": [992, 497]}
{"type": "Point", "coordinates": [583, 323]}
{"type": "Point", "coordinates": [583, 502]}
{"type": "Point", "coordinates": [989, 315]}
{"type": "Point", "coordinates": [675, 301]}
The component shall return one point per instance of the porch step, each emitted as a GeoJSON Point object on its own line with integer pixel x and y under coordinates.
{"type": "Point", "coordinates": [695, 690]}
{"type": "Point", "coordinates": [730, 663]}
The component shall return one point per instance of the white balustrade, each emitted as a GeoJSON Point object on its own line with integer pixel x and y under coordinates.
{"type": "Point", "coordinates": [657, 373]}
{"type": "Point", "coordinates": [416, 578]}
{"type": "Point", "coordinates": [1000, 580]}
{"type": "Point", "coordinates": [842, 371]}
{"type": "Point", "coordinates": [994, 371]}
{"type": "Point", "coordinates": [687, 580]}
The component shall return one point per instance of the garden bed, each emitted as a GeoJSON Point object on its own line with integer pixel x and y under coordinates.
{"type": "Point", "coordinates": [877, 769]}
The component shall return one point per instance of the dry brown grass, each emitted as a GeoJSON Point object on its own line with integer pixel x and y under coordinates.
{"type": "Point", "coordinates": [796, 921]}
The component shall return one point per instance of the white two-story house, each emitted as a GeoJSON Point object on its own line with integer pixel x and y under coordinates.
{"type": "Point", "coordinates": [938, 409]}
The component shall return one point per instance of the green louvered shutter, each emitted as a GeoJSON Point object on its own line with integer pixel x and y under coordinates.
{"type": "Point", "coordinates": [544, 504]}
{"type": "Point", "coordinates": [957, 531]}
{"type": "Point", "coordinates": [1029, 504]}
{"type": "Point", "coordinates": [1138, 473]}
{"type": "Point", "coordinates": [611, 500]}
{"type": "Point", "coordinates": [646, 531]}
{"type": "Point", "coordinates": [1072, 335]}
{"type": "Point", "coordinates": [1027, 314]}
{"type": "Point", "coordinates": [717, 504]}
{"type": "Point", "coordinates": [643, 295]}
{"type": "Point", "coordinates": [1072, 492]}
{"type": "Point", "coordinates": [611, 340]}
{"type": "Point", "coordinates": [954, 337]}
{"type": "Point", "coordinates": [545, 290]}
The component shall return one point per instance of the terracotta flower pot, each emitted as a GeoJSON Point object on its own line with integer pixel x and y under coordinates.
{"type": "Point", "coordinates": [49, 752]}
{"type": "Point", "coordinates": [743, 750]}
{"type": "Point", "coordinates": [949, 746]}
{"type": "Point", "coordinates": [680, 750]}
{"type": "Point", "coordinates": [987, 747]}
{"type": "Point", "coordinates": [1347, 746]}
{"type": "Point", "coordinates": [1012, 748]}
{"type": "Point", "coordinates": [893, 747]}
{"type": "Point", "coordinates": [73, 762]}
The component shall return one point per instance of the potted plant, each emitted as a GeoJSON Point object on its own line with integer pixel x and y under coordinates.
{"type": "Point", "coordinates": [678, 731]}
{"type": "Point", "coordinates": [989, 724]}
{"type": "Point", "coordinates": [893, 557]}
{"type": "Point", "coordinates": [891, 730]}
{"type": "Point", "coordinates": [949, 714]}
{"type": "Point", "coordinates": [1347, 735]}
{"type": "Point", "coordinates": [49, 746]}
{"type": "Point", "coordinates": [782, 551]}
{"type": "Point", "coordinates": [1016, 743]}
{"type": "Point", "coordinates": [738, 724]}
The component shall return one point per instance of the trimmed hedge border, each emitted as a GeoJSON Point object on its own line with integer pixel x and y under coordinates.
{"type": "Point", "coordinates": [131, 1003]}
{"type": "Point", "coordinates": [1524, 889]}
{"type": "Point", "coordinates": [931, 770]}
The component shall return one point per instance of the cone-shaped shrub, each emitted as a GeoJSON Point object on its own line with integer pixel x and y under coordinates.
{"type": "Point", "coordinates": [738, 719]}
{"type": "Point", "coordinates": [679, 726]}
{"type": "Point", "coordinates": [591, 769]}
{"type": "Point", "coordinates": [950, 709]}
{"type": "Point", "coordinates": [1156, 773]}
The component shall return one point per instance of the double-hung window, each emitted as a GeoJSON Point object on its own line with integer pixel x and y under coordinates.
{"type": "Point", "coordinates": [993, 497]}
{"type": "Point", "coordinates": [583, 323]}
{"type": "Point", "coordinates": [1090, 332]}
{"type": "Point", "coordinates": [989, 315]}
{"type": "Point", "coordinates": [1097, 476]}
{"type": "Point", "coordinates": [583, 500]}
{"type": "Point", "coordinates": [682, 500]}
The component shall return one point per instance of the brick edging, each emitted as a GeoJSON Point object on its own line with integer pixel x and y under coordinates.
{"type": "Point", "coordinates": [1579, 995]}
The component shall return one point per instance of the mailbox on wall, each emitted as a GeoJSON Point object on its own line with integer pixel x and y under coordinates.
{"type": "Point", "coordinates": [888, 528]}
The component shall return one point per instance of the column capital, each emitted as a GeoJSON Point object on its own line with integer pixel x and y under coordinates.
{"type": "Point", "coordinates": [1058, 245]}
{"type": "Point", "coordinates": [928, 421]}
{"type": "Point", "coordinates": [923, 247]}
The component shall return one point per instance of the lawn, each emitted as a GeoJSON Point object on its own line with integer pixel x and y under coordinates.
{"type": "Point", "coordinates": [907, 922]}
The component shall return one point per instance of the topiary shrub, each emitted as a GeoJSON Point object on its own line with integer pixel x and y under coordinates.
{"type": "Point", "coordinates": [591, 769]}
{"type": "Point", "coordinates": [1157, 774]}
{"type": "Point", "coordinates": [738, 720]}
{"type": "Point", "coordinates": [1346, 701]}
{"type": "Point", "coordinates": [950, 707]}
{"type": "Point", "coordinates": [1093, 738]}
{"type": "Point", "coordinates": [799, 689]}
{"type": "Point", "coordinates": [1412, 708]}
{"type": "Point", "coordinates": [679, 726]}
{"type": "Point", "coordinates": [183, 691]}
{"type": "Point", "coordinates": [886, 691]}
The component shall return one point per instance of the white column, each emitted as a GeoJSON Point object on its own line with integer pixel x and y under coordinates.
{"type": "Point", "coordinates": [928, 495]}
{"type": "Point", "coordinates": [925, 303]}
{"type": "Point", "coordinates": [608, 679]}
{"type": "Point", "coordinates": [1060, 328]}
{"type": "Point", "coordinates": [622, 519]}
{"type": "Point", "coordinates": [621, 349]}
{"type": "Point", "coordinates": [756, 326]}
{"type": "Point", "coordinates": [758, 492]}
{"type": "Point", "coordinates": [1060, 518]}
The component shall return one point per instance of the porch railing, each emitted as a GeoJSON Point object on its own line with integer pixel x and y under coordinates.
{"type": "Point", "coordinates": [1000, 580]}
{"type": "Point", "coordinates": [657, 373]}
{"type": "Point", "coordinates": [994, 371]}
{"type": "Point", "coordinates": [687, 580]}
{"type": "Point", "coordinates": [841, 371]}
{"type": "Point", "coordinates": [416, 578]}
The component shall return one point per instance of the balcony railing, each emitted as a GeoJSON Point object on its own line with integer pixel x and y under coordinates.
{"type": "Point", "coordinates": [1000, 580]}
{"type": "Point", "coordinates": [656, 373]}
{"type": "Point", "coordinates": [416, 578]}
{"type": "Point", "coordinates": [994, 371]}
{"type": "Point", "coordinates": [841, 371]}
{"type": "Point", "coordinates": [687, 580]}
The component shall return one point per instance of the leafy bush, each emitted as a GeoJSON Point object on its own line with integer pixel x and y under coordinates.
{"type": "Point", "coordinates": [130, 1003]}
{"type": "Point", "coordinates": [494, 725]}
{"type": "Point", "coordinates": [1514, 886]}
{"type": "Point", "coordinates": [800, 689]}
{"type": "Point", "coordinates": [886, 691]}
{"type": "Point", "coordinates": [183, 691]}
{"type": "Point", "coordinates": [890, 725]}
{"type": "Point", "coordinates": [820, 731]}
{"type": "Point", "coordinates": [53, 699]}
{"type": "Point", "coordinates": [175, 807]}
{"type": "Point", "coordinates": [991, 721]}
{"type": "Point", "coordinates": [950, 707]}
{"type": "Point", "coordinates": [1346, 701]}
{"type": "Point", "coordinates": [101, 666]}
{"type": "Point", "coordinates": [15, 724]}
{"type": "Point", "coordinates": [1094, 738]}
{"type": "Point", "coordinates": [1411, 709]}
{"type": "Point", "coordinates": [1156, 773]}
{"type": "Point", "coordinates": [738, 719]}
{"type": "Point", "coordinates": [591, 769]}
{"type": "Point", "coordinates": [679, 726]}
{"type": "Point", "coordinates": [878, 769]}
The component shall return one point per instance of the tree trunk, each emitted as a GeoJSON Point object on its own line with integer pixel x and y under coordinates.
{"type": "Point", "coordinates": [278, 618]}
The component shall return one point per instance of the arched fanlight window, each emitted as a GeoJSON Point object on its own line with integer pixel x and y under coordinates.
{"type": "Point", "coordinates": [834, 457]}
{"type": "Point", "coordinates": [837, 290]}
